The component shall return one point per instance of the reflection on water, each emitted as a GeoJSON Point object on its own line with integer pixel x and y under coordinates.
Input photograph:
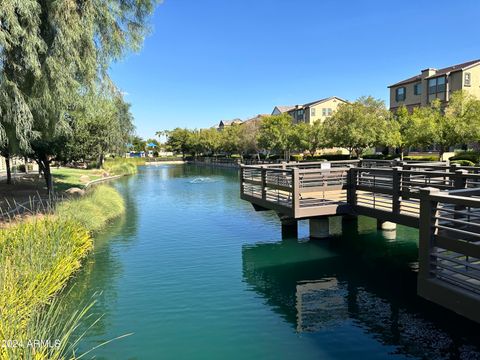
{"type": "Point", "coordinates": [194, 273]}
{"type": "Point", "coordinates": [358, 280]}
{"type": "Point", "coordinates": [94, 283]}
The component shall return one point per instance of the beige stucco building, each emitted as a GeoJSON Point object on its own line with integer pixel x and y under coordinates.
{"type": "Point", "coordinates": [224, 124]}
{"type": "Point", "coordinates": [311, 112]}
{"type": "Point", "coordinates": [431, 84]}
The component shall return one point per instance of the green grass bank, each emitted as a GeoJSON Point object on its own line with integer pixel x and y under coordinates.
{"type": "Point", "coordinates": [38, 257]}
{"type": "Point", "coordinates": [65, 177]}
{"type": "Point", "coordinates": [123, 166]}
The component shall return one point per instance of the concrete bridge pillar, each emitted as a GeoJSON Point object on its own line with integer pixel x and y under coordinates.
{"type": "Point", "coordinates": [319, 228]}
{"type": "Point", "coordinates": [349, 225]}
{"type": "Point", "coordinates": [390, 235]}
{"type": "Point", "coordinates": [386, 225]}
{"type": "Point", "coordinates": [289, 228]}
{"type": "Point", "coordinates": [335, 224]}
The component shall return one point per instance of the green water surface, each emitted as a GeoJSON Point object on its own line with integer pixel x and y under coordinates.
{"type": "Point", "coordinates": [193, 272]}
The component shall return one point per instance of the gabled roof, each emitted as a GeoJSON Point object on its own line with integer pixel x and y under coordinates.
{"type": "Point", "coordinates": [230, 122]}
{"type": "Point", "coordinates": [440, 72]}
{"type": "Point", "coordinates": [323, 100]}
{"type": "Point", "coordinates": [455, 68]}
{"type": "Point", "coordinates": [254, 119]}
{"type": "Point", "coordinates": [313, 103]}
{"type": "Point", "coordinates": [407, 81]}
{"type": "Point", "coordinates": [284, 108]}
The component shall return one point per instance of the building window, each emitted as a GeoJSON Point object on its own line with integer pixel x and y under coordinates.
{"type": "Point", "coordinates": [467, 79]}
{"type": "Point", "coordinates": [436, 85]}
{"type": "Point", "coordinates": [417, 89]}
{"type": "Point", "coordinates": [300, 114]}
{"type": "Point", "coordinates": [312, 111]}
{"type": "Point", "coordinates": [327, 112]}
{"type": "Point", "coordinates": [400, 94]}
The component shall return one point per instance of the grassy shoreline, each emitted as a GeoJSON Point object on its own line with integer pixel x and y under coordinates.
{"type": "Point", "coordinates": [38, 257]}
{"type": "Point", "coordinates": [65, 177]}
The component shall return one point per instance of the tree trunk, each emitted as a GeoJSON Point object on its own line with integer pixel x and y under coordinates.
{"type": "Point", "coordinates": [350, 153]}
{"type": "Point", "coordinates": [101, 160]}
{"type": "Point", "coordinates": [9, 170]}
{"type": "Point", "coordinates": [44, 163]}
{"type": "Point", "coordinates": [25, 160]}
{"type": "Point", "coordinates": [441, 152]}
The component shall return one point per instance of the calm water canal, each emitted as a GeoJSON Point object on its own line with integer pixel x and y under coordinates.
{"type": "Point", "coordinates": [194, 273]}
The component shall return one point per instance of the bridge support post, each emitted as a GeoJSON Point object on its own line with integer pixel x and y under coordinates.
{"type": "Point", "coordinates": [390, 235]}
{"type": "Point", "coordinates": [349, 225]}
{"type": "Point", "coordinates": [289, 228]}
{"type": "Point", "coordinates": [335, 224]}
{"type": "Point", "coordinates": [319, 228]}
{"type": "Point", "coordinates": [386, 225]}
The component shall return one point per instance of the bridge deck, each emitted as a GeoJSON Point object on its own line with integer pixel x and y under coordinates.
{"type": "Point", "coordinates": [442, 201]}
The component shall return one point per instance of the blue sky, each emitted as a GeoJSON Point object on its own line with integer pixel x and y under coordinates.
{"type": "Point", "coordinates": [208, 60]}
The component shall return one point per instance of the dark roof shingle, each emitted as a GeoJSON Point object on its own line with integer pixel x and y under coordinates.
{"type": "Point", "coordinates": [439, 72]}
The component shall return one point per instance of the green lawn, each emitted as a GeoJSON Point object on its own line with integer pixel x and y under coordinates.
{"type": "Point", "coordinates": [65, 178]}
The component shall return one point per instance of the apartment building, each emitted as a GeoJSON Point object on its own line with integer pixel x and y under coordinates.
{"type": "Point", "coordinates": [311, 112]}
{"type": "Point", "coordinates": [224, 124]}
{"type": "Point", "coordinates": [430, 84]}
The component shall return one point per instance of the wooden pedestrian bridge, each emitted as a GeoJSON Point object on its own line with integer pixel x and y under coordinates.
{"type": "Point", "coordinates": [442, 201]}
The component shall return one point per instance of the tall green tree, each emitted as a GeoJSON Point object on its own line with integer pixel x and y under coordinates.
{"type": "Point", "coordinates": [445, 127]}
{"type": "Point", "coordinates": [248, 138]}
{"type": "Point", "coordinates": [276, 133]}
{"type": "Point", "coordinates": [59, 50]}
{"type": "Point", "coordinates": [463, 118]}
{"type": "Point", "coordinates": [209, 141]}
{"type": "Point", "coordinates": [20, 49]}
{"type": "Point", "coordinates": [359, 125]}
{"type": "Point", "coordinates": [178, 140]}
{"type": "Point", "coordinates": [231, 139]}
{"type": "Point", "coordinates": [401, 131]}
{"type": "Point", "coordinates": [138, 143]}
{"type": "Point", "coordinates": [310, 137]}
{"type": "Point", "coordinates": [101, 126]}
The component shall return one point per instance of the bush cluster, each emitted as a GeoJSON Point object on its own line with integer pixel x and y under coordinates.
{"type": "Point", "coordinates": [422, 158]}
{"type": "Point", "coordinates": [123, 166]}
{"type": "Point", "coordinates": [471, 156]}
{"type": "Point", "coordinates": [328, 157]}
{"type": "Point", "coordinates": [37, 258]}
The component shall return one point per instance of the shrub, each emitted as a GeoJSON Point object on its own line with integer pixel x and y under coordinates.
{"type": "Point", "coordinates": [37, 258]}
{"type": "Point", "coordinates": [328, 157]}
{"type": "Point", "coordinates": [121, 168]}
{"type": "Point", "coordinates": [272, 157]}
{"type": "Point", "coordinates": [463, 162]}
{"type": "Point", "coordinates": [421, 157]}
{"type": "Point", "coordinates": [380, 157]}
{"type": "Point", "coordinates": [471, 156]}
{"type": "Point", "coordinates": [93, 211]}
{"type": "Point", "coordinates": [92, 165]}
{"type": "Point", "coordinates": [296, 157]}
{"type": "Point", "coordinates": [119, 160]}
{"type": "Point", "coordinates": [374, 157]}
